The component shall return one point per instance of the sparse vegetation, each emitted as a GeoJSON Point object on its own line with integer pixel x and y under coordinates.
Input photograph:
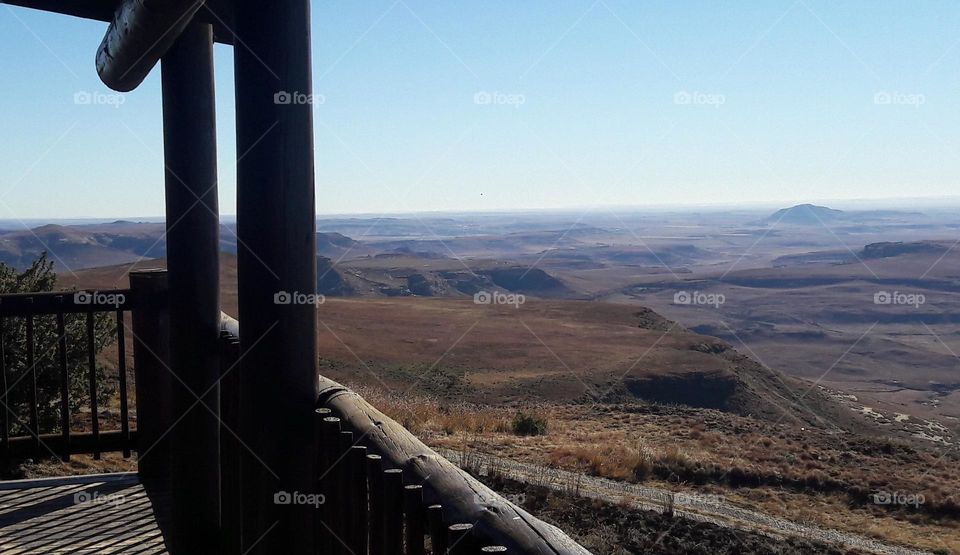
{"type": "Point", "coordinates": [529, 424]}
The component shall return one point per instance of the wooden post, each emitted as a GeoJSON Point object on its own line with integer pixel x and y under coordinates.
{"type": "Point", "coordinates": [230, 449]}
{"type": "Point", "coordinates": [346, 502]}
{"type": "Point", "coordinates": [414, 513]}
{"type": "Point", "coordinates": [276, 260]}
{"type": "Point", "coordinates": [438, 530]}
{"type": "Point", "coordinates": [190, 156]}
{"type": "Point", "coordinates": [360, 517]}
{"type": "Point", "coordinates": [393, 511]}
{"type": "Point", "coordinates": [326, 527]}
{"type": "Point", "coordinates": [459, 539]}
{"type": "Point", "coordinates": [375, 486]}
{"type": "Point", "coordinates": [151, 341]}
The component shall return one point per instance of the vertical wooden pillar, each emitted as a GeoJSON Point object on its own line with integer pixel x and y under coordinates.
{"type": "Point", "coordinates": [190, 155]}
{"type": "Point", "coordinates": [277, 267]}
{"type": "Point", "coordinates": [151, 345]}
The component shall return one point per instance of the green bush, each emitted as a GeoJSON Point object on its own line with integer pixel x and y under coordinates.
{"type": "Point", "coordinates": [528, 424]}
{"type": "Point", "coordinates": [40, 277]}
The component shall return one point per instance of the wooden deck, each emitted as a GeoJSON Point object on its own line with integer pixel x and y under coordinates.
{"type": "Point", "coordinates": [103, 513]}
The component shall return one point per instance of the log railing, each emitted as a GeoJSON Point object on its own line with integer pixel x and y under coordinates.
{"type": "Point", "coordinates": [381, 491]}
{"type": "Point", "coordinates": [70, 324]}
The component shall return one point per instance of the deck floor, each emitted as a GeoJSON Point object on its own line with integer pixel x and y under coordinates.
{"type": "Point", "coordinates": [104, 513]}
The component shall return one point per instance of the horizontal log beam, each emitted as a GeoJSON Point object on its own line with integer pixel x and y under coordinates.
{"type": "Point", "coordinates": [214, 12]}
{"type": "Point", "coordinates": [140, 33]}
{"type": "Point", "coordinates": [100, 10]}
{"type": "Point", "coordinates": [463, 498]}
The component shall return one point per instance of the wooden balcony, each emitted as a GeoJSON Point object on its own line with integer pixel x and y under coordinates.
{"type": "Point", "coordinates": [102, 514]}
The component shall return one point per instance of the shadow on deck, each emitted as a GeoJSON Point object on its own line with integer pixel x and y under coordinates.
{"type": "Point", "coordinates": [103, 513]}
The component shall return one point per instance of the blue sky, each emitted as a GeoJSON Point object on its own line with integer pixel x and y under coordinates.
{"type": "Point", "coordinates": [497, 105]}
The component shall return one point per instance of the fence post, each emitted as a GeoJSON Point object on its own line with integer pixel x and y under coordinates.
{"type": "Point", "coordinates": [413, 509]}
{"type": "Point", "coordinates": [375, 486]}
{"type": "Point", "coordinates": [151, 360]}
{"type": "Point", "coordinates": [360, 517]}
{"type": "Point", "coordinates": [438, 530]}
{"type": "Point", "coordinates": [393, 511]}
{"type": "Point", "coordinates": [327, 525]}
{"type": "Point", "coordinates": [459, 539]}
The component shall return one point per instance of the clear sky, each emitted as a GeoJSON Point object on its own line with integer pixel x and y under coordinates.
{"type": "Point", "coordinates": [492, 105]}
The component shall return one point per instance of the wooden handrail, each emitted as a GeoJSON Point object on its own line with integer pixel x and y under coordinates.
{"type": "Point", "coordinates": [464, 499]}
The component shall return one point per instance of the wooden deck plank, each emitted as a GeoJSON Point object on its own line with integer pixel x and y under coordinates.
{"type": "Point", "coordinates": [84, 514]}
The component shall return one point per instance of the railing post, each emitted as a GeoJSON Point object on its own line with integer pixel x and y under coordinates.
{"type": "Point", "coordinates": [415, 526]}
{"type": "Point", "coordinates": [438, 530]}
{"type": "Point", "coordinates": [459, 540]}
{"type": "Point", "coordinates": [375, 487]}
{"type": "Point", "coordinates": [151, 359]}
{"type": "Point", "coordinates": [357, 465]}
{"type": "Point", "coordinates": [393, 511]}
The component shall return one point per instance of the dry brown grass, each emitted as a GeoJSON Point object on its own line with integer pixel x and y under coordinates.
{"type": "Point", "coordinates": [426, 415]}
{"type": "Point", "coordinates": [800, 474]}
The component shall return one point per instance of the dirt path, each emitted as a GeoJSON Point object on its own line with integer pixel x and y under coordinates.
{"type": "Point", "coordinates": [707, 508]}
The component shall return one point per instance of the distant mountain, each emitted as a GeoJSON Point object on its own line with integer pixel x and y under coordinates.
{"type": "Point", "coordinates": [75, 247]}
{"type": "Point", "coordinates": [805, 214]}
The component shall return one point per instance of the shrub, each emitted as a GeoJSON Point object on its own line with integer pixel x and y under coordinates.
{"type": "Point", "coordinates": [40, 277]}
{"type": "Point", "coordinates": [528, 424]}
